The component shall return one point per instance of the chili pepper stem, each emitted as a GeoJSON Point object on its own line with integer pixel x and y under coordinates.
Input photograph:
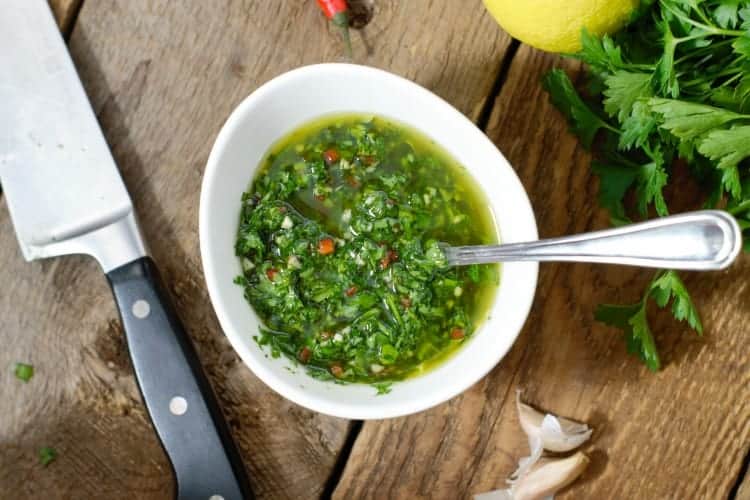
{"type": "Point", "coordinates": [341, 20]}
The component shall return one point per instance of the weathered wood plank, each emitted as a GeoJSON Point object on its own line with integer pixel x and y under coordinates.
{"type": "Point", "coordinates": [680, 433]}
{"type": "Point", "coordinates": [65, 11]}
{"type": "Point", "coordinates": [162, 77]}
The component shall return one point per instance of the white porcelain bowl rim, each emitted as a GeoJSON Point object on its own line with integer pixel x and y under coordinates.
{"type": "Point", "coordinates": [316, 90]}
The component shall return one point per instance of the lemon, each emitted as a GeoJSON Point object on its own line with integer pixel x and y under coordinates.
{"type": "Point", "coordinates": [555, 25]}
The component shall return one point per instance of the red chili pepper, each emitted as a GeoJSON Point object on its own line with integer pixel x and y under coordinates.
{"type": "Point", "coordinates": [390, 256]}
{"type": "Point", "coordinates": [457, 333]}
{"type": "Point", "coordinates": [304, 355]}
{"type": "Point", "coordinates": [336, 370]}
{"type": "Point", "coordinates": [331, 156]}
{"type": "Point", "coordinates": [326, 246]}
{"type": "Point", "coordinates": [337, 11]}
{"type": "Point", "coordinates": [271, 273]}
{"type": "Point", "coordinates": [351, 291]}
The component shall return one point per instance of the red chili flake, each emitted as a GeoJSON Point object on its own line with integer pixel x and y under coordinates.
{"type": "Point", "coordinates": [271, 273]}
{"type": "Point", "coordinates": [326, 246]}
{"type": "Point", "coordinates": [367, 159]}
{"type": "Point", "coordinates": [406, 302]}
{"type": "Point", "coordinates": [320, 197]}
{"type": "Point", "coordinates": [351, 291]}
{"type": "Point", "coordinates": [352, 181]}
{"type": "Point", "coordinates": [336, 370]}
{"type": "Point", "coordinates": [331, 156]}
{"type": "Point", "coordinates": [390, 256]}
{"type": "Point", "coordinates": [304, 355]}
{"type": "Point", "coordinates": [457, 333]}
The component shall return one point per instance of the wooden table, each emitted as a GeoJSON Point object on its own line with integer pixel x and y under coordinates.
{"type": "Point", "coordinates": [162, 77]}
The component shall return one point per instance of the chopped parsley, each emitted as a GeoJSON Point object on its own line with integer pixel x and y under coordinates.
{"type": "Point", "coordinates": [47, 455]}
{"type": "Point", "coordinates": [339, 242]}
{"type": "Point", "coordinates": [382, 387]}
{"type": "Point", "coordinates": [24, 371]}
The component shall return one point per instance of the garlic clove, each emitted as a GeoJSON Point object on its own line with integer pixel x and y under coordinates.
{"type": "Point", "coordinates": [549, 477]}
{"type": "Point", "coordinates": [557, 434]}
{"type": "Point", "coordinates": [495, 495]}
{"type": "Point", "coordinates": [560, 434]}
{"type": "Point", "coordinates": [529, 417]}
{"type": "Point", "coordinates": [526, 463]}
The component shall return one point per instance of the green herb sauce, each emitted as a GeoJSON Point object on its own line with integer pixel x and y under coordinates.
{"type": "Point", "coordinates": [339, 242]}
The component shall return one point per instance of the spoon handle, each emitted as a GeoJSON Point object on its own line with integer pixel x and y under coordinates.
{"type": "Point", "coordinates": [703, 240]}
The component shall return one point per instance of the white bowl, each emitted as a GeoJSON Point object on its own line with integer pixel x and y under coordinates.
{"type": "Point", "coordinates": [297, 97]}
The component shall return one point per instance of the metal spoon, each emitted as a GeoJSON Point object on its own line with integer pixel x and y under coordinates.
{"type": "Point", "coordinates": [703, 240]}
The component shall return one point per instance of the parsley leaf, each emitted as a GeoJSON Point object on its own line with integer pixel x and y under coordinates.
{"type": "Point", "coordinates": [637, 127]}
{"type": "Point", "coordinates": [688, 120]}
{"type": "Point", "coordinates": [726, 13]}
{"type": "Point", "coordinates": [623, 90]}
{"type": "Point", "coordinates": [745, 16]}
{"type": "Point", "coordinates": [727, 147]}
{"type": "Point", "coordinates": [651, 181]}
{"type": "Point", "coordinates": [600, 53]}
{"type": "Point", "coordinates": [24, 371]}
{"type": "Point", "coordinates": [47, 455]}
{"type": "Point", "coordinates": [669, 286]}
{"type": "Point", "coordinates": [741, 46]}
{"type": "Point", "coordinates": [614, 182]}
{"type": "Point", "coordinates": [633, 321]}
{"type": "Point", "coordinates": [583, 121]}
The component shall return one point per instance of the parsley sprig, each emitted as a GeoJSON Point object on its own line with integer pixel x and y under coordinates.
{"type": "Point", "coordinates": [675, 83]}
{"type": "Point", "coordinates": [633, 321]}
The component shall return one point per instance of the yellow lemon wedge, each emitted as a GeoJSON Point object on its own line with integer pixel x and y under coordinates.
{"type": "Point", "coordinates": [555, 25]}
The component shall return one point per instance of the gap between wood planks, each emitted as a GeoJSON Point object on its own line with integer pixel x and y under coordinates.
{"type": "Point", "coordinates": [70, 19]}
{"type": "Point", "coordinates": [743, 476]}
{"type": "Point", "coordinates": [482, 121]}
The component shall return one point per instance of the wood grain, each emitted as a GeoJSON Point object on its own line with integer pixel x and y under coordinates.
{"type": "Point", "coordinates": [743, 493]}
{"type": "Point", "coordinates": [679, 433]}
{"type": "Point", "coordinates": [65, 12]}
{"type": "Point", "coordinates": [162, 77]}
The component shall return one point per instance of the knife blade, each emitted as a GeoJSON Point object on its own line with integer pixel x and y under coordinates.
{"type": "Point", "coordinates": [50, 138]}
{"type": "Point", "coordinates": [65, 195]}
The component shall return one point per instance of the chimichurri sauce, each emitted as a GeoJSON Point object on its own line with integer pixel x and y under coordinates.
{"type": "Point", "coordinates": [339, 242]}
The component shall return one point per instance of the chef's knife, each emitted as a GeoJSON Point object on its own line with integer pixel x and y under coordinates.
{"type": "Point", "coordinates": [65, 196]}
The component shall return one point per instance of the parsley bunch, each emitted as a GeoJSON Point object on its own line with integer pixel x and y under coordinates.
{"type": "Point", "coordinates": [674, 84]}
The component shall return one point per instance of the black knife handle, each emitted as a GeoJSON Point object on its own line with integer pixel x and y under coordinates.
{"type": "Point", "coordinates": [177, 394]}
